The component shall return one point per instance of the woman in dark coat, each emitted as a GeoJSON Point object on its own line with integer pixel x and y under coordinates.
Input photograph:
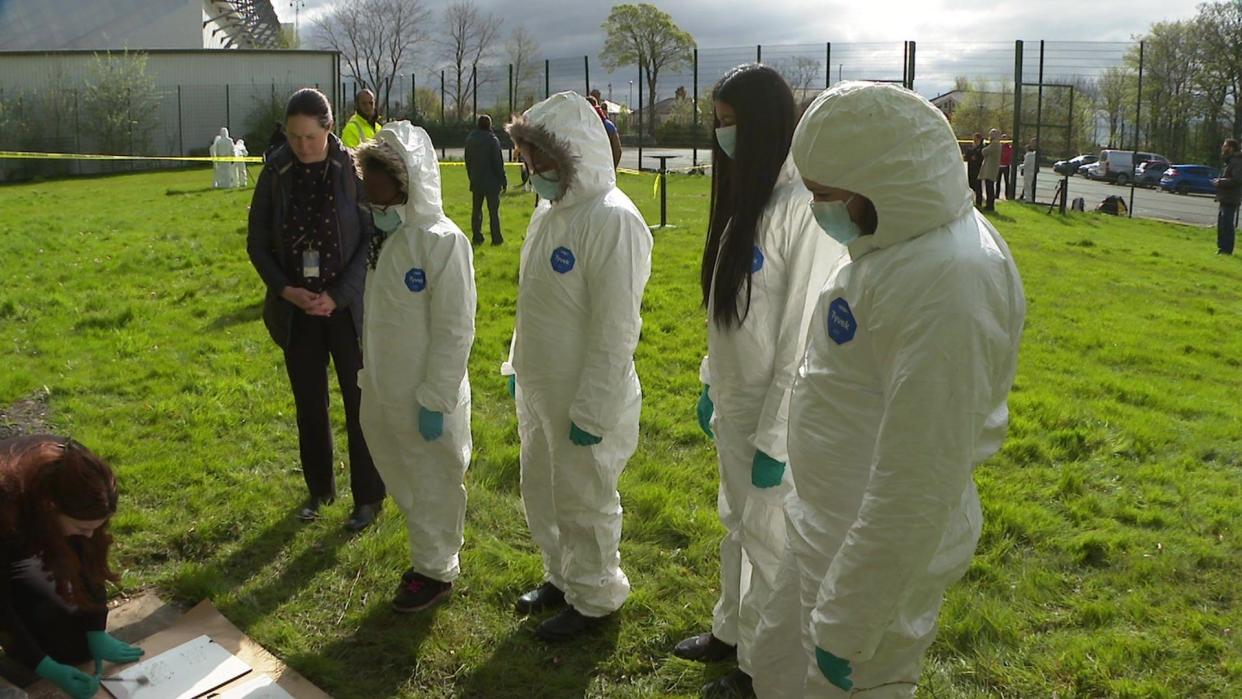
{"type": "Point", "coordinates": [309, 237]}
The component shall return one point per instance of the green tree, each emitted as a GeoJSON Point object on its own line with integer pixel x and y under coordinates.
{"type": "Point", "coordinates": [1218, 31]}
{"type": "Point", "coordinates": [119, 102]}
{"type": "Point", "coordinates": [645, 35]}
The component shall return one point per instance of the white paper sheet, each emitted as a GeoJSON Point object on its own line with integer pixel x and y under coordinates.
{"type": "Point", "coordinates": [187, 671]}
{"type": "Point", "coordinates": [258, 688]}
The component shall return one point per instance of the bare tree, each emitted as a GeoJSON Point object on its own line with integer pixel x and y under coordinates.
{"type": "Point", "coordinates": [377, 39]}
{"type": "Point", "coordinates": [521, 49]}
{"type": "Point", "coordinates": [803, 74]}
{"type": "Point", "coordinates": [468, 38]}
{"type": "Point", "coordinates": [1115, 87]}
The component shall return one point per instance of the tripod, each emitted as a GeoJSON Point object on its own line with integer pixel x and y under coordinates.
{"type": "Point", "coordinates": [1059, 195]}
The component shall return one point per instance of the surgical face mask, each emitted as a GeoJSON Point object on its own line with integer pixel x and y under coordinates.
{"type": "Point", "coordinates": [387, 218]}
{"type": "Point", "coordinates": [546, 187]}
{"type": "Point", "coordinates": [726, 136]}
{"type": "Point", "coordinates": [834, 218]}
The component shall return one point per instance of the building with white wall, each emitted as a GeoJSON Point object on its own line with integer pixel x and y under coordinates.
{"type": "Point", "coordinates": [49, 25]}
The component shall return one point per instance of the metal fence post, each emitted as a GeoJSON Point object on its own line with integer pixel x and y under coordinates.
{"type": "Point", "coordinates": [758, 53]}
{"type": "Point", "coordinates": [510, 107]}
{"type": "Point", "coordinates": [905, 64]}
{"type": "Point", "coordinates": [640, 116]}
{"type": "Point", "coordinates": [180, 127]}
{"type": "Point", "coordinates": [474, 92]}
{"type": "Point", "coordinates": [1138, 123]}
{"type": "Point", "coordinates": [1039, 122]}
{"type": "Point", "coordinates": [547, 78]}
{"type": "Point", "coordinates": [228, 117]}
{"type": "Point", "coordinates": [913, 63]}
{"type": "Point", "coordinates": [1012, 185]}
{"type": "Point", "coordinates": [586, 73]}
{"type": "Point", "coordinates": [827, 65]}
{"type": "Point", "coordinates": [694, 137]}
{"type": "Point", "coordinates": [413, 96]}
{"type": "Point", "coordinates": [442, 95]}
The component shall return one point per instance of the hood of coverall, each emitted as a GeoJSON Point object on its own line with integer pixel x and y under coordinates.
{"type": "Point", "coordinates": [891, 146]}
{"type": "Point", "coordinates": [568, 131]}
{"type": "Point", "coordinates": [421, 167]}
{"type": "Point", "coordinates": [224, 133]}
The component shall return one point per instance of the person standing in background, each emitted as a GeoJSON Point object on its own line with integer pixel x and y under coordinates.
{"type": "Point", "coordinates": [485, 167]}
{"type": "Point", "coordinates": [974, 162]}
{"type": "Point", "coordinates": [1006, 163]}
{"type": "Point", "coordinates": [362, 126]}
{"type": "Point", "coordinates": [990, 171]}
{"type": "Point", "coordinates": [1229, 195]}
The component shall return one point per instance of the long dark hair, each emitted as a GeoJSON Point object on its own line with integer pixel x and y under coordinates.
{"type": "Point", "coordinates": [741, 186]}
{"type": "Point", "coordinates": [42, 476]}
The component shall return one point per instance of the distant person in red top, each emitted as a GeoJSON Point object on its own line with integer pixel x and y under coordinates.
{"type": "Point", "coordinates": [1006, 163]}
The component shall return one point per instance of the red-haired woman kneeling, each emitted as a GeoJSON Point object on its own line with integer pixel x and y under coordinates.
{"type": "Point", "coordinates": [56, 498]}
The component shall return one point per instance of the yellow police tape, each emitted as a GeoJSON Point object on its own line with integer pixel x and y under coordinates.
{"type": "Point", "coordinates": [32, 155]}
{"type": "Point", "coordinates": [20, 155]}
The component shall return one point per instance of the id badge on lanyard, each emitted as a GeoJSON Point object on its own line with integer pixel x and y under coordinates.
{"type": "Point", "coordinates": [310, 264]}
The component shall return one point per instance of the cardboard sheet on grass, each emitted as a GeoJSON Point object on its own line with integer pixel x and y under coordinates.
{"type": "Point", "coordinates": [205, 620]}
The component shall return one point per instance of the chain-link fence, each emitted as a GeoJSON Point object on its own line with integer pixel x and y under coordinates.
{"type": "Point", "coordinates": [163, 121]}
{"type": "Point", "coordinates": [1139, 106]}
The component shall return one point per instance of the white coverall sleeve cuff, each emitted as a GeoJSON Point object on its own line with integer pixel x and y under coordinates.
{"type": "Point", "coordinates": [506, 367]}
{"type": "Point", "coordinates": [705, 372]}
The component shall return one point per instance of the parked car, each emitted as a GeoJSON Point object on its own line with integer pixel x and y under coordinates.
{"type": "Point", "coordinates": [1092, 171]}
{"type": "Point", "coordinates": [1148, 174]}
{"type": "Point", "coordinates": [1117, 166]}
{"type": "Point", "coordinates": [1073, 165]}
{"type": "Point", "coordinates": [1187, 179]}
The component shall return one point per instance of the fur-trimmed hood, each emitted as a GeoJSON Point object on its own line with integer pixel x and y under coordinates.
{"type": "Point", "coordinates": [421, 170]}
{"type": "Point", "coordinates": [568, 130]}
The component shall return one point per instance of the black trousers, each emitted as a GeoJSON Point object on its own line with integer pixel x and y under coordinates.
{"type": "Point", "coordinates": [311, 343]}
{"type": "Point", "coordinates": [976, 186]}
{"type": "Point", "coordinates": [1226, 227]}
{"type": "Point", "coordinates": [493, 214]}
{"type": "Point", "coordinates": [1002, 184]}
{"type": "Point", "coordinates": [990, 185]}
{"type": "Point", "coordinates": [57, 626]}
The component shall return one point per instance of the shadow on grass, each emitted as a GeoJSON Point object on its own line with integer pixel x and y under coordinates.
{"type": "Point", "coordinates": [523, 666]}
{"type": "Point", "coordinates": [375, 660]}
{"type": "Point", "coordinates": [238, 316]}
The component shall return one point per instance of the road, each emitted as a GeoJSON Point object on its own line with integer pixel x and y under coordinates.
{"type": "Point", "coordinates": [1193, 209]}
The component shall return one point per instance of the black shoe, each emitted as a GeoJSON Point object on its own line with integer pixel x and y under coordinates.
{"type": "Point", "coordinates": [497, 241]}
{"type": "Point", "coordinates": [418, 592]}
{"type": "Point", "coordinates": [705, 648]}
{"type": "Point", "coordinates": [735, 685]}
{"type": "Point", "coordinates": [567, 625]}
{"type": "Point", "coordinates": [1222, 252]}
{"type": "Point", "coordinates": [544, 598]}
{"type": "Point", "coordinates": [363, 517]}
{"type": "Point", "coordinates": [310, 509]}
{"type": "Point", "coordinates": [477, 240]}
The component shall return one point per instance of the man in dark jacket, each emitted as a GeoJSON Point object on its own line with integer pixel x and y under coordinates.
{"type": "Point", "coordinates": [485, 165]}
{"type": "Point", "coordinates": [1229, 194]}
{"type": "Point", "coordinates": [974, 163]}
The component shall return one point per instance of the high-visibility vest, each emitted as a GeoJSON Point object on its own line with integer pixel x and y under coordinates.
{"type": "Point", "coordinates": [357, 130]}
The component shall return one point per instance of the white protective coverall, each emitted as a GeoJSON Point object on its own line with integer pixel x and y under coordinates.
{"type": "Point", "coordinates": [585, 263]}
{"type": "Point", "coordinates": [242, 175]}
{"type": "Point", "coordinates": [225, 171]}
{"type": "Point", "coordinates": [751, 369]}
{"type": "Point", "coordinates": [910, 356]}
{"type": "Point", "coordinates": [417, 332]}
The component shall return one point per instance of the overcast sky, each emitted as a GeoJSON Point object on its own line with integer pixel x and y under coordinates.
{"type": "Point", "coordinates": [953, 35]}
{"type": "Point", "coordinates": [573, 28]}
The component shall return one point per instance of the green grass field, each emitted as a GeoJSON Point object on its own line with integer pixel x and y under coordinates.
{"type": "Point", "coordinates": [1111, 556]}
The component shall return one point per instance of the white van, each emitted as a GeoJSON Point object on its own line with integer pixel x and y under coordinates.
{"type": "Point", "coordinates": [1118, 165]}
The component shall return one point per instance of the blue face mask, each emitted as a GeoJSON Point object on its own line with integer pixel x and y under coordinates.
{"type": "Point", "coordinates": [387, 219]}
{"type": "Point", "coordinates": [726, 136]}
{"type": "Point", "coordinates": [834, 218]}
{"type": "Point", "coordinates": [545, 187]}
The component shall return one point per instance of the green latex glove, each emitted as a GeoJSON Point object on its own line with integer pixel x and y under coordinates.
{"type": "Point", "coordinates": [72, 681]}
{"type": "Point", "coordinates": [105, 647]}
{"type": "Point", "coordinates": [837, 670]}
{"type": "Point", "coordinates": [766, 472]}
{"type": "Point", "coordinates": [430, 424]}
{"type": "Point", "coordinates": [513, 386]}
{"type": "Point", "coordinates": [704, 409]}
{"type": "Point", "coordinates": [581, 437]}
